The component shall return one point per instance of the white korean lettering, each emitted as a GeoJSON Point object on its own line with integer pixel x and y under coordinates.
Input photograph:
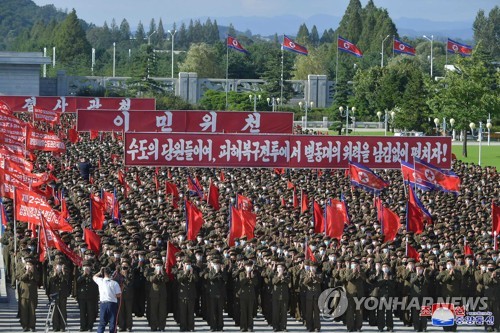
{"type": "Point", "coordinates": [124, 104]}
{"type": "Point", "coordinates": [165, 122]}
{"type": "Point", "coordinates": [209, 121]}
{"type": "Point", "coordinates": [29, 103]}
{"type": "Point", "coordinates": [120, 121]}
{"type": "Point", "coordinates": [252, 123]}
{"type": "Point", "coordinates": [94, 104]}
{"type": "Point", "coordinates": [61, 104]}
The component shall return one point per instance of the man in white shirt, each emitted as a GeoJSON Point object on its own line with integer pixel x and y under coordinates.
{"type": "Point", "coordinates": [109, 293]}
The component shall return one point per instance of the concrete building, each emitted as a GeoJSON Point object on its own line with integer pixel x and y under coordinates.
{"type": "Point", "coordinates": [20, 72]}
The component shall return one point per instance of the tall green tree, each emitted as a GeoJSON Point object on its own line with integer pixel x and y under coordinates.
{"type": "Point", "coordinates": [487, 31]}
{"type": "Point", "coordinates": [205, 60]}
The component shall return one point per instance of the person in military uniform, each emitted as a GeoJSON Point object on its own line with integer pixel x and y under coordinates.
{"type": "Point", "coordinates": [216, 279]}
{"type": "Point", "coordinates": [125, 278]}
{"type": "Point", "coordinates": [248, 283]}
{"type": "Point", "coordinates": [186, 279]}
{"type": "Point", "coordinates": [312, 280]}
{"type": "Point", "coordinates": [59, 291]}
{"type": "Point", "coordinates": [419, 289]}
{"type": "Point", "coordinates": [157, 298]}
{"type": "Point", "coordinates": [87, 295]}
{"type": "Point", "coordinates": [28, 295]}
{"type": "Point", "coordinates": [139, 267]}
{"type": "Point", "coordinates": [491, 280]}
{"type": "Point", "coordinates": [450, 280]}
{"type": "Point", "coordinates": [385, 285]}
{"type": "Point", "coordinates": [281, 283]}
{"type": "Point", "coordinates": [354, 280]}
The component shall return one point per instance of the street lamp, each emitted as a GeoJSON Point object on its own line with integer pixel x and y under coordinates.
{"type": "Point", "coordinates": [432, 54]}
{"type": "Point", "coordinates": [254, 98]}
{"type": "Point", "coordinates": [346, 115]}
{"type": "Point", "coordinates": [273, 102]}
{"type": "Point", "coordinates": [382, 52]}
{"type": "Point", "coordinates": [149, 37]}
{"type": "Point", "coordinates": [386, 120]}
{"type": "Point", "coordinates": [301, 104]}
{"type": "Point", "coordinates": [172, 34]}
{"type": "Point", "coordinates": [379, 114]}
{"type": "Point", "coordinates": [437, 121]}
{"type": "Point", "coordinates": [114, 59]}
{"type": "Point", "coordinates": [488, 126]}
{"type": "Point", "coordinates": [452, 123]}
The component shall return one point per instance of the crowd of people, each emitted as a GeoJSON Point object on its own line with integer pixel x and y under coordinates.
{"type": "Point", "coordinates": [270, 273]}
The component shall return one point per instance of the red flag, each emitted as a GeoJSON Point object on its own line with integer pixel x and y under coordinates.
{"type": "Point", "coordinates": [415, 214]}
{"type": "Point", "coordinates": [94, 134]}
{"type": "Point", "coordinates": [400, 47]}
{"type": "Point", "coordinates": [93, 241]}
{"type": "Point", "coordinates": [411, 252]}
{"type": "Point", "coordinates": [445, 180]}
{"type": "Point", "coordinates": [234, 44]}
{"type": "Point", "coordinates": [48, 116]}
{"type": "Point", "coordinates": [468, 250]}
{"type": "Point", "coordinates": [108, 199]}
{"type": "Point", "coordinates": [171, 188]}
{"type": "Point", "coordinates": [97, 212]}
{"type": "Point", "coordinates": [5, 108]}
{"type": "Point", "coordinates": [39, 140]}
{"type": "Point", "coordinates": [295, 199]}
{"type": "Point", "coordinates": [64, 209]}
{"type": "Point", "coordinates": [290, 45]}
{"type": "Point", "coordinates": [309, 255]}
{"type": "Point", "coordinates": [157, 183]}
{"type": "Point", "coordinates": [121, 177]}
{"type": "Point", "coordinates": [289, 185]}
{"type": "Point", "coordinates": [3, 214]}
{"type": "Point", "coordinates": [169, 174]}
{"type": "Point", "coordinates": [283, 204]}
{"type": "Point", "coordinates": [244, 203]}
{"type": "Point", "coordinates": [171, 258]}
{"type": "Point", "coordinates": [365, 178]}
{"type": "Point", "coordinates": [138, 179]}
{"type": "Point", "coordinates": [379, 206]}
{"type": "Point", "coordinates": [242, 224]}
{"type": "Point", "coordinates": [495, 219]}
{"type": "Point", "coordinates": [456, 47]}
{"type": "Point", "coordinates": [318, 218]}
{"type": "Point", "coordinates": [279, 171]}
{"type": "Point", "coordinates": [346, 46]}
{"type": "Point", "coordinates": [336, 217]}
{"type": "Point", "coordinates": [222, 177]}
{"type": "Point", "coordinates": [53, 238]}
{"type": "Point", "coordinates": [194, 220]}
{"type": "Point", "coordinates": [390, 224]}
{"type": "Point", "coordinates": [213, 196]}
{"type": "Point", "coordinates": [304, 202]}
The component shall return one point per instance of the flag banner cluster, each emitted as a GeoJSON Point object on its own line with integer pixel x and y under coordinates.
{"type": "Point", "coordinates": [242, 224]}
{"type": "Point", "coordinates": [70, 104]}
{"type": "Point", "coordinates": [400, 47]}
{"type": "Point", "coordinates": [346, 46]}
{"type": "Point", "coordinates": [290, 45]}
{"type": "Point", "coordinates": [185, 121]}
{"type": "Point", "coordinates": [444, 180]}
{"type": "Point", "coordinates": [234, 44]}
{"type": "Point", "coordinates": [50, 239]}
{"type": "Point", "coordinates": [410, 176]}
{"type": "Point", "coordinates": [458, 48]}
{"type": "Point", "coordinates": [281, 151]}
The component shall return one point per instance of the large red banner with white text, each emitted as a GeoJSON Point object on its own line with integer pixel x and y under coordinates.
{"type": "Point", "coordinates": [281, 151]}
{"type": "Point", "coordinates": [72, 103]}
{"type": "Point", "coordinates": [185, 121]}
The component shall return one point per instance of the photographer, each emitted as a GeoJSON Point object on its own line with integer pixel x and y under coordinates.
{"type": "Point", "coordinates": [109, 292]}
{"type": "Point", "coordinates": [58, 292]}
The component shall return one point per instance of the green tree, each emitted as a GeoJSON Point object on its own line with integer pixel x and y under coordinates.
{"type": "Point", "coordinates": [315, 63]}
{"type": "Point", "coordinates": [314, 36]}
{"type": "Point", "coordinates": [487, 31]}
{"type": "Point", "coordinates": [204, 60]}
{"type": "Point", "coordinates": [125, 30]}
{"type": "Point", "coordinates": [303, 35]}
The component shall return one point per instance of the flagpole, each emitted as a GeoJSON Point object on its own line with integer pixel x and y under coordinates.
{"type": "Point", "coordinates": [337, 66]}
{"type": "Point", "coordinates": [227, 72]}
{"type": "Point", "coordinates": [393, 38]}
{"type": "Point", "coordinates": [495, 241]}
{"type": "Point", "coordinates": [406, 254]}
{"type": "Point", "coordinates": [282, 68]}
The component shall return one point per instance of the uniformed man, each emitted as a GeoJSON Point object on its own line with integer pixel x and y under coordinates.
{"type": "Point", "coordinates": [186, 279]}
{"type": "Point", "coordinates": [281, 283]}
{"type": "Point", "coordinates": [450, 280]}
{"type": "Point", "coordinates": [248, 282]}
{"type": "Point", "coordinates": [87, 295]}
{"type": "Point", "coordinates": [386, 288]}
{"type": "Point", "coordinates": [491, 280]}
{"type": "Point", "coordinates": [28, 295]}
{"type": "Point", "coordinates": [354, 280]}
{"type": "Point", "coordinates": [157, 298]}
{"type": "Point", "coordinates": [312, 280]}
{"type": "Point", "coordinates": [58, 292]}
{"type": "Point", "coordinates": [216, 279]}
{"type": "Point", "coordinates": [419, 289]}
{"type": "Point", "coordinates": [125, 278]}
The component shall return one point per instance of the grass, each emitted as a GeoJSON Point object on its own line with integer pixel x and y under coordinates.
{"type": "Point", "coordinates": [490, 155]}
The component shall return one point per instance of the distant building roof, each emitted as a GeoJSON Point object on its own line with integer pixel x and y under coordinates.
{"type": "Point", "coordinates": [23, 58]}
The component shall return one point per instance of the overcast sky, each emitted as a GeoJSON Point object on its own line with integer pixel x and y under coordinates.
{"type": "Point", "coordinates": [98, 11]}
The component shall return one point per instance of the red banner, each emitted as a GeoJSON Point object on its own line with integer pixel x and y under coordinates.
{"type": "Point", "coordinates": [48, 116]}
{"type": "Point", "coordinates": [72, 103]}
{"type": "Point", "coordinates": [185, 121]}
{"type": "Point", "coordinates": [281, 151]}
{"type": "Point", "coordinates": [38, 140]}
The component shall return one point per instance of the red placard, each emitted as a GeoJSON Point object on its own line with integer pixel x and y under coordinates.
{"type": "Point", "coordinates": [38, 140]}
{"type": "Point", "coordinates": [185, 121]}
{"type": "Point", "coordinates": [71, 103]}
{"type": "Point", "coordinates": [281, 151]}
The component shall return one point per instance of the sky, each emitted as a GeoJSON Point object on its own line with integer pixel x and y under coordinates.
{"type": "Point", "coordinates": [98, 11]}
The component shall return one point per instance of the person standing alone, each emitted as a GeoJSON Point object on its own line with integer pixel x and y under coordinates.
{"type": "Point", "coordinates": [109, 292]}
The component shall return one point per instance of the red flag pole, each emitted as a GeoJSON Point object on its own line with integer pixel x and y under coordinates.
{"type": "Point", "coordinates": [406, 245]}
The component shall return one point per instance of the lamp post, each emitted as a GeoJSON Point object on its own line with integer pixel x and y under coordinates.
{"type": "Point", "coordinates": [436, 122]}
{"type": "Point", "coordinates": [432, 52]}
{"type": "Point", "coordinates": [479, 137]}
{"type": "Point", "coordinates": [386, 120]}
{"type": "Point", "coordinates": [452, 123]}
{"type": "Point", "coordinates": [382, 52]}
{"type": "Point", "coordinates": [346, 115]}
{"type": "Point", "coordinates": [273, 102]}
{"type": "Point", "coordinates": [254, 98]}
{"type": "Point", "coordinates": [301, 104]}
{"type": "Point", "coordinates": [379, 114]}
{"type": "Point", "coordinates": [488, 126]}
{"type": "Point", "coordinates": [114, 59]}
{"type": "Point", "coordinates": [172, 34]}
{"type": "Point", "coordinates": [149, 37]}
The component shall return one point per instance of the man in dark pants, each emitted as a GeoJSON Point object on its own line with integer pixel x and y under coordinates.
{"type": "Point", "coordinates": [419, 289]}
{"type": "Point", "coordinates": [312, 280]}
{"type": "Point", "coordinates": [87, 295]}
{"type": "Point", "coordinates": [28, 295]}
{"type": "Point", "coordinates": [84, 167]}
{"type": "Point", "coordinates": [124, 276]}
{"type": "Point", "coordinates": [109, 292]}
{"type": "Point", "coordinates": [386, 288]}
{"type": "Point", "coordinates": [248, 282]}
{"type": "Point", "coordinates": [281, 287]}
{"type": "Point", "coordinates": [186, 279]}
{"type": "Point", "coordinates": [450, 280]}
{"type": "Point", "coordinates": [216, 282]}
{"type": "Point", "coordinates": [59, 285]}
{"type": "Point", "coordinates": [157, 300]}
